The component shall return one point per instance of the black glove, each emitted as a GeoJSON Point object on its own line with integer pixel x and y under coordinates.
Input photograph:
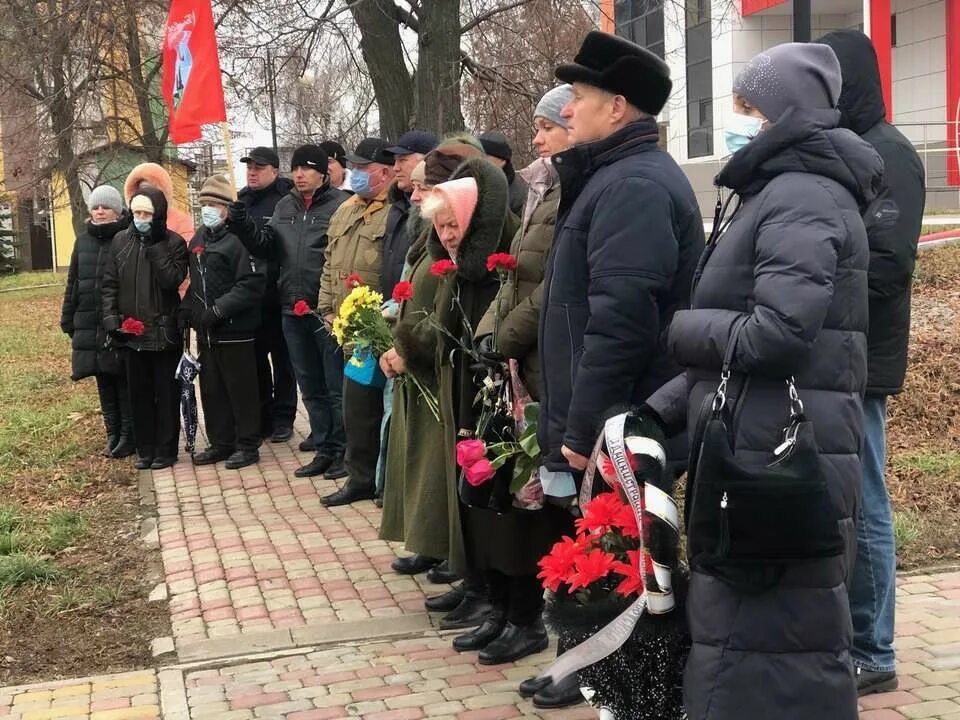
{"type": "Point", "coordinates": [209, 318]}
{"type": "Point", "coordinates": [236, 213]}
{"type": "Point", "coordinates": [184, 313]}
{"type": "Point", "coordinates": [117, 336]}
{"type": "Point", "coordinates": [489, 355]}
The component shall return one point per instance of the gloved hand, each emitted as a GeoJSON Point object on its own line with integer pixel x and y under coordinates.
{"type": "Point", "coordinates": [236, 213]}
{"type": "Point", "coordinates": [489, 355]}
{"type": "Point", "coordinates": [209, 318]}
{"type": "Point", "coordinates": [184, 313]}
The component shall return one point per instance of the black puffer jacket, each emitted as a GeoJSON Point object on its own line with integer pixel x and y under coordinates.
{"type": "Point", "coordinates": [628, 235]}
{"type": "Point", "coordinates": [297, 238]}
{"type": "Point", "coordinates": [223, 277]}
{"type": "Point", "coordinates": [141, 278]}
{"type": "Point", "coordinates": [793, 263]}
{"type": "Point", "coordinates": [81, 316]}
{"type": "Point", "coordinates": [893, 242]}
{"type": "Point", "coordinates": [261, 205]}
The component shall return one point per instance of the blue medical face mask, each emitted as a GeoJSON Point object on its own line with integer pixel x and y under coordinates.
{"type": "Point", "coordinates": [142, 226]}
{"type": "Point", "coordinates": [740, 130]}
{"type": "Point", "coordinates": [360, 182]}
{"type": "Point", "coordinates": [210, 216]}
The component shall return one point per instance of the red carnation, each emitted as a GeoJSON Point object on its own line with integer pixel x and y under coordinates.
{"type": "Point", "coordinates": [197, 250]}
{"type": "Point", "coordinates": [626, 522]}
{"type": "Point", "coordinates": [442, 267]}
{"type": "Point", "coordinates": [131, 326]}
{"type": "Point", "coordinates": [501, 261]}
{"type": "Point", "coordinates": [590, 567]}
{"type": "Point", "coordinates": [403, 290]}
{"type": "Point", "coordinates": [301, 308]}
{"type": "Point", "coordinates": [601, 514]}
{"type": "Point", "coordinates": [353, 280]}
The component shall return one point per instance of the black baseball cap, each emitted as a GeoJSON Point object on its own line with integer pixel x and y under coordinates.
{"type": "Point", "coordinates": [496, 145]}
{"type": "Point", "coordinates": [415, 141]}
{"type": "Point", "coordinates": [309, 156]}
{"type": "Point", "coordinates": [371, 150]}
{"type": "Point", "coordinates": [335, 151]}
{"type": "Point", "coordinates": [262, 156]}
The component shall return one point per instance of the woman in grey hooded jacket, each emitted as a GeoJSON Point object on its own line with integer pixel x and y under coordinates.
{"type": "Point", "coordinates": [788, 277]}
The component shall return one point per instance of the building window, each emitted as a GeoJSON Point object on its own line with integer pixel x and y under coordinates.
{"type": "Point", "coordinates": [699, 79]}
{"type": "Point", "coordinates": [641, 21]}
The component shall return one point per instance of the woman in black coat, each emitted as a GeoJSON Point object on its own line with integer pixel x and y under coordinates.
{"type": "Point", "coordinates": [81, 319]}
{"type": "Point", "coordinates": [146, 265]}
{"type": "Point", "coordinates": [786, 281]}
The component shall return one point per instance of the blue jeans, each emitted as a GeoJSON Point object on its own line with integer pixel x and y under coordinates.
{"type": "Point", "coordinates": [873, 586]}
{"type": "Point", "coordinates": [318, 365]}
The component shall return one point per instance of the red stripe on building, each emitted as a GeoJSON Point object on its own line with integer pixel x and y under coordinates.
{"type": "Point", "coordinates": [882, 36]}
{"type": "Point", "coordinates": [953, 91]}
{"type": "Point", "coordinates": [752, 7]}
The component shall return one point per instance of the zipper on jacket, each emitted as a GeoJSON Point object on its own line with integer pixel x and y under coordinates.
{"type": "Point", "coordinates": [724, 526]}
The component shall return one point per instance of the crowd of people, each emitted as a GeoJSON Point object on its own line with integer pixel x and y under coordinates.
{"type": "Point", "coordinates": [612, 300]}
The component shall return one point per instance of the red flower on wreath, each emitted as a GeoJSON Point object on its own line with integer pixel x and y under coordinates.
{"type": "Point", "coordinates": [601, 514]}
{"type": "Point", "coordinates": [403, 290]}
{"type": "Point", "coordinates": [443, 267]}
{"type": "Point", "coordinates": [560, 563]}
{"type": "Point", "coordinates": [501, 261]}
{"type": "Point", "coordinates": [131, 326]}
{"type": "Point", "coordinates": [632, 572]}
{"type": "Point", "coordinates": [353, 280]}
{"type": "Point", "coordinates": [301, 308]}
{"type": "Point", "coordinates": [590, 567]}
{"type": "Point", "coordinates": [197, 250]}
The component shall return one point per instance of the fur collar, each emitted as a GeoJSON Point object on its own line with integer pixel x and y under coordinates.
{"type": "Point", "coordinates": [486, 227]}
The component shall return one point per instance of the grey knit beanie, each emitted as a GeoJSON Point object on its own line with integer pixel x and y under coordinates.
{"type": "Point", "coordinates": [803, 75]}
{"type": "Point", "coordinates": [106, 196]}
{"type": "Point", "coordinates": [552, 103]}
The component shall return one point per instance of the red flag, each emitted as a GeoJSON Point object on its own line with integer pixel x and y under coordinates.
{"type": "Point", "coordinates": [191, 70]}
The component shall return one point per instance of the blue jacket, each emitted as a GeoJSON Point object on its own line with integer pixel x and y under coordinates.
{"type": "Point", "coordinates": [628, 237]}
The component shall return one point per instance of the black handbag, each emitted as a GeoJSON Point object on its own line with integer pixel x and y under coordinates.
{"type": "Point", "coordinates": [749, 515]}
{"type": "Point", "coordinates": [496, 426]}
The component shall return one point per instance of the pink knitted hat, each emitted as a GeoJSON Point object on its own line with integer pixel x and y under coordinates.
{"type": "Point", "coordinates": [461, 197]}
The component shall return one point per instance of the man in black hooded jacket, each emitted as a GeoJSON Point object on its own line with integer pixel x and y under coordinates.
{"type": "Point", "coordinates": [893, 227]}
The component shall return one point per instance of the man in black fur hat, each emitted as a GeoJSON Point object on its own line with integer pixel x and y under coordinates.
{"type": "Point", "coordinates": [628, 236]}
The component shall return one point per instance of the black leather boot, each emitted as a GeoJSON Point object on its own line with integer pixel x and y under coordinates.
{"type": "Point", "coordinates": [480, 637]}
{"type": "Point", "coordinates": [413, 564]}
{"type": "Point", "coordinates": [442, 574]}
{"type": "Point", "coordinates": [447, 601]}
{"type": "Point", "coordinates": [559, 695]}
{"type": "Point", "coordinates": [515, 642]}
{"type": "Point", "coordinates": [472, 611]}
{"type": "Point", "coordinates": [337, 470]}
{"type": "Point", "coordinates": [110, 408]}
{"type": "Point", "coordinates": [126, 445]}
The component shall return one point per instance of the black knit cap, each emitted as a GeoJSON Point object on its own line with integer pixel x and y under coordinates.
{"type": "Point", "coordinates": [621, 67]}
{"type": "Point", "coordinates": [335, 151]}
{"type": "Point", "coordinates": [310, 156]}
{"type": "Point", "coordinates": [495, 144]}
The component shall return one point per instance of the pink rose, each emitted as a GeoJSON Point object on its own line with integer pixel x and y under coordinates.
{"type": "Point", "coordinates": [470, 451]}
{"type": "Point", "coordinates": [479, 472]}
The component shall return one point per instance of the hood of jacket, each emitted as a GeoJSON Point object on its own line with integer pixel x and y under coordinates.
{"type": "Point", "coordinates": [106, 231]}
{"type": "Point", "coordinates": [806, 141]}
{"type": "Point", "coordinates": [154, 174]}
{"type": "Point", "coordinates": [158, 226]}
{"type": "Point", "coordinates": [482, 236]}
{"type": "Point", "coordinates": [281, 186]}
{"type": "Point", "coordinates": [861, 99]}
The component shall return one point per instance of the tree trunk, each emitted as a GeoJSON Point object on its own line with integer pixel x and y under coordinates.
{"type": "Point", "coordinates": [153, 143]}
{"type": "Point", "coordinates": [438, 67]}
{"type": "Point", "coordinates": [383, 54]}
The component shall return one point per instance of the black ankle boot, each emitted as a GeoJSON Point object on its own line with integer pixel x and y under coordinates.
{"type": "Point", "coordinates": [480, 637]}
{"type": "Point", "coordinates": [124, 447]}
{"type": "Point", "coordinates": [560, 694]}
{"type": "Point", "coordinates": [515, 642]}
{"type": "Point", "coordinates": [472, 611]}
{"type": "Point", "coordinates": [447, 602]}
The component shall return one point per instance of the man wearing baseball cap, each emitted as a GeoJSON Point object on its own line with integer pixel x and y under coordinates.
{"type": "Point", "coordinates": [355, 249]}
{"type": "Point", "coordinates": [629, 234]}
{"type": "Point", "coordinates": [275, 378]}
{"type": "Point", "coordinates": [295, 236]}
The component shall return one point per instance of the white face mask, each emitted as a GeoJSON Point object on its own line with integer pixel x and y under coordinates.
{"type": "Point", "coordinates": [210, 216]}
{"type": "Point", "coordinates": [740, 130]}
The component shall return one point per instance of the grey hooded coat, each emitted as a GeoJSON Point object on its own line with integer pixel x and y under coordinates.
{"type": "Point", "coordinates": [793, 261]}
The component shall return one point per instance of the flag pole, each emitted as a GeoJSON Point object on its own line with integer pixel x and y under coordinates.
{"type": "Point", "coordinates": [225, 129]}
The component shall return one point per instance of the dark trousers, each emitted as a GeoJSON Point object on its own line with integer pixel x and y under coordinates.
{"type": "Point", "coordinates": [275, 379]}
{"type": "Point", "coordinates": [362, 417]}
{"type": "Point", "coordinates": [115, 405]}
{"type": "Point", "coordinates": [228, 390]}
{"type": "Point", "coordinates": [318, 366]}
{"type": "Point", "coordinates": [155, 398]}
{"type": "Point", "coordinates": [519, 596]}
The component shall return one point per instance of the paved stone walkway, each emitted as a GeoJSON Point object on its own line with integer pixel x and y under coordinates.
{"type": "Point", "coordinates": [282, 608]}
